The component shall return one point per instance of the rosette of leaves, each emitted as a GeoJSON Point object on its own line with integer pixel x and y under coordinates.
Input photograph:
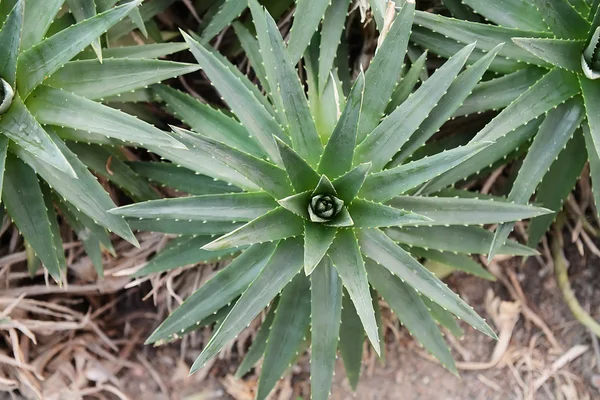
{"type": "Point", "coordinates": [322, 223]}
{"type": "Point", "coordinates": [52, 90]}
{"type": "Point", "coordinates": [550, 91]}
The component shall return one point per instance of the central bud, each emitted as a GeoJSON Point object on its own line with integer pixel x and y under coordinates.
{"type": "Point", "coordinates": [6, 96]}
{"type": "Point", "coordinates": [324, 207]}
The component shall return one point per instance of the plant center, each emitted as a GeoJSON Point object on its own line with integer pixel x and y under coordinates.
{"type": "Point", "coordinates": [6, 96]}
{"type": "Point", "coordinates": [325, 206]}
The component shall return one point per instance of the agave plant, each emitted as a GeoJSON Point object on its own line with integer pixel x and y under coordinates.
{"type": "Point", "coordinates": [550, 90]}
{"type": "Point", "coordinates": [50, 90]}
{"type": "Point", "coordinates": [317, 215]}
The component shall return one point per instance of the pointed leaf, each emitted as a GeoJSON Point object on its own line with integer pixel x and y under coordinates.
{"type": "Point", "coordinates": [556, 130]}
{"type": "Point", "coordinates": [274, 225]}
{"type": "Point", "coordinates": [10, 43]}
{"type": "Point", "coordinates": [180, 178]}
{"type": "Point", "coordinates": [326, 312]}
{"type": "Point", "coordinates": [148, 51]}
{"type": "Point", "coordinates": [384, 70]}
{"type": "Point", "coordinates": [563, 19]}
{"type": "Point", "coordinates": [352, 339]}
{"type": "Point", "coordinates": [252, 49]}
{"type": "Point", "coordinates": [306, 21]}
{"type": "Point", "coordinates": [302, 175]}
{"type": "Point", "coordinates": [407, 84]}
{"type": "Point", "coordinates": [457, 211]}
{"type": "Point", "coordinates": [3, 153]}
{"type": "Point", "coordinates": [217, 292]}
{"type": "Point", "coordinates": [182, 227]}
{"type": "Point", "coordinates": [458, 239]}
{"type": "Point", "coordinates": [267, 176]}
{"type": "Point", "coordinates": [339, 151]}
{"type": "Point", "coordinates": [242, 101]}
{"type": "Point", "coordinates": [219, 207]}
{"type": "Point", "coordinates": [84, 192]}
{"type": "Point", "coordinates": [332, 28]}
{"type": "Point", "coordinates": [26, 206]}
{"type": "Point", "coordinates": [58, 107]}
{"type": "Point", "coordinates": [347, 259]}
{"type": "Point", "coordinates": [367, 214]}
{"type": "Point", "coordinates": [412, 312]}
{"type": "Point", "coordinates": [444, 318]}
{"type": "Point", "coordinates": [386, 140]}
{"type": "Point", "coordinates": [560, 52]}
{"type": "Point", "coordinates": [42, 60]}
{"type": "Point", "coordinates": [348, 185]}
{"type": "Point", "coordinates": [283, 265]}
{"type": "Point", "coordinates": [82, 10]}
{"type": "Point", "coordinates": [287, 332]}
{"type": "Point", "coordinates": [22, 128]}
{"type": "Point", "coordinates": [553, 89]}
{"type": "Point", "coordinates": [460, 262]}
{"type": "Point", "coordinates": [298, 204]}
{"type": "Point", "coordinates": [229, 10]}
{"type": "Point", "coordinates": [517, 14]}
{"type": "Point", "coordinates": [376, 245]}
{"type": "Point", "coordinates": [389, 183]}
{"type": "Point", "coordinates": [39, 15]}
{"type": "Point", "coordinates": [317, 240]}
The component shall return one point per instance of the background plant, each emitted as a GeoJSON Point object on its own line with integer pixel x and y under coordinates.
{"type": "Point", "coordinates": [52, 90]}
{"type": "Point", "coordinates": [332, 193]}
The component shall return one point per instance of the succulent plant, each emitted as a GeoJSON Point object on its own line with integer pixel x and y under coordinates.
{"type": "Point", "coordinates": [550, 91]}
{"type": "Point", "coordinates": [314, 210]}
{"type": "Point", "coordinates": [51, 91]}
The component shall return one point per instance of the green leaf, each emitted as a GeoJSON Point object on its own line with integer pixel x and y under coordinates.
{"type": "Point", "coordinates": [455, 261]}
{"type": "Point", "coordinates": [89, 79]}
{"type": "Point", "coordinates": [180, 178]}
{"type": "Point", "coordinates": [42, 60]}
{"type": "Point", "coordinates": [331, 31]}
{"type": "Point", "coordinates": [367, 214]}
{"type": "Point", "coordinates": [267, 176]}
{"type": "Point", "coordinates": [444, 318]}
{"type": "Point", "coordinates": [106, 163]}
{"type": "Point", "coordinates": [339, 151]}
{"type": "Point", "coordinates": [378, 8]}
{"type": "Point", "coordinates": [458, 91]}
{"type": "Point", "coordinates": [287, 332]}
{"type": "Point", "coordinates": [302, 175]}
{"type": "Point", "coordinates": [317, 240]}
{"type": "Point", "coordinates": [10, 43]}
{"type": "Point", "coordinates": [183, 251]}
{"type": "Point", "coordinates": [376, 245]}
{"type": "Point", "coordinates": [251, 47]}
{"type": "Point", "coordinates": [407, 84]}
{"type": "Point", "coordinates": [84, 192]}
{"type": "Point", "coordinates": [517, 14]}
{"type": "Point", "coordinates": [458, 239]}
{"type": "Point", "coordinates": [556, 130]}
{"type": "Point", "coordinates": [208, 121]}
{"type": "Point", "coordinates": [298, 204]}
{"type": "Point", "coordinates": [252, 114]}
{"type": "Point", "coordinates": [229, 10]}
{"type": "Point", "coordinates": [560, 52]}
{"type": "Point", "coordinates": [386, 140]}
{"type": "Point", "coordinates": [348, 185]}
{"type": "Point", "coordinates": [389, 183]}
{"type": "Point", "coordinates": [457, 211]}
{"type": "Point", "coordinates": [553, 89]}
{"type": "Point", "coordinates": [283, 76]}
{"type": "Point", "coordinates": [485, 158]}
{"type": "Point", "coordinates": [563, 19]}
{"type": "Point", "coordinates": [218, 207]}
{"type": "Point", "coordinates": [459, 10]}
{"type": "Point", "coordinates": [3, 152]}
{"type": "Point", "coordinates": [487, 36]}
{"type": "Point", "coordinates": [594, 159]}
{"type": "Point", "coordinates": [558, 183]}
{"type": "Point", "coordinates": [352, 338]}
{"type": "Point", "coordinates": [259, 343]}
{"type": "Point", "coordinates": [197, 158]}
{"type": "Point", "coordinates": [220, 290]}
{"type": "Point", "coordinates": [183, 227]}
{"type": "Point", "coordinates": [82, 10]}
{"type": "Point", "coordinates": [412, 312]}
{"type": "Point", "coordinates": [275, 225]}
{"type": "Point", "coordinates": [384, 71]}
{"type": "Point", "coordinates": [498, 93]}
{"type": "Point", "coordinates": [148, 10]}
{"type": "Point", "coordinates": [326, 312]}
{"type": "Point", "coordinates": [153, 50]}
{"type": "Point", "coordinates": [307, 17]}
{"type": "Point", "coordinates": [283, 265]}
{"type": "Point", "coordinates": [26, 206]}
{"type": "Point", "coordinates": [23, 129]}
{"type": "Point", "coordinates": [347, 259]}
{"type": "Point", "coordinates": [39, 15]}
{"type": "Point", "coordinates": [58, 107]}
